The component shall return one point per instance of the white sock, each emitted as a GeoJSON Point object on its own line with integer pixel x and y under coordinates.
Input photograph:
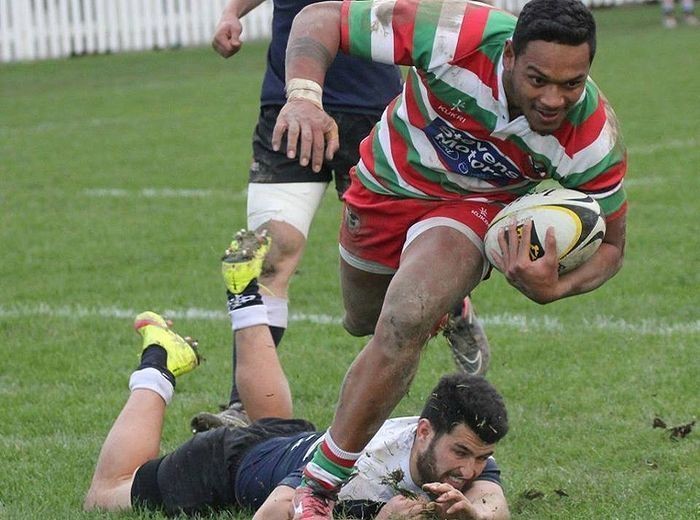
{"type": "Point", "coordinates": [248, 317]}
{"type": "Point", "coordinates": [277, 310]}
{"type": "Point", "coordinates": [337, 450]}
{"type": "Point", "coordinates": [151, 379]}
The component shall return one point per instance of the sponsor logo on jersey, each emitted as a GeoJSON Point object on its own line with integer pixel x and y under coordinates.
{"type": "Point", "coordinates": [539, 169]}
{"type": "Point", "coordinates": [482, 214]}
{"type": "Point", "coordinates": [352, 221]}
{"type": "Point", "coordinates": [466, 155]}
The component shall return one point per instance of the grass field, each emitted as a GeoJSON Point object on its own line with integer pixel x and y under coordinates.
{"type": "Point", "coordinates": [122, 177]}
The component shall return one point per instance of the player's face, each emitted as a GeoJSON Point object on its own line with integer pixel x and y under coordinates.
{"type": "Point", "coordinates": [545, 81]}
{"type": "Point", "coordinates": [454, 458]}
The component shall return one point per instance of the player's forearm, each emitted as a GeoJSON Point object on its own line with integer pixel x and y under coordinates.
{"type": "Point", "coordinates": [239, 8]}
{"type": "Point", "coordinates": [488, 501]}
{"type": "Point", "coordinates": [492, 507]}
{"type": "Point", "coordinates": [602, 266]}
{"type": "Point", "coordinates": [277, 504]}
{"type": "Point", "coordinates": [313, 42]}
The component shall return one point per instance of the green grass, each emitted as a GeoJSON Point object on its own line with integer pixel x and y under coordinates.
{"type": "Point", "coordinates": [583, 378]}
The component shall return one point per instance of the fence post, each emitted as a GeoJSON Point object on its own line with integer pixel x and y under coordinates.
{"type": "Point", "coordinates": [5, 37]}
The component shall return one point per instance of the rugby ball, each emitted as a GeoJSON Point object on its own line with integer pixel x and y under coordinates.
{"type": "Point", "coordinates": [576, 218]}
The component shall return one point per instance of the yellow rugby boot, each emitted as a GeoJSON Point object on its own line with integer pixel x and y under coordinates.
{"type": "Point", "coordinates": [243, 259]}
{"type": "Point", "coordinates": [182, 352]}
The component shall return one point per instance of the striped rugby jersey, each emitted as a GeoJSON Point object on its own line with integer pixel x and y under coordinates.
{"type": "Point", "coordinates": [448, 135]}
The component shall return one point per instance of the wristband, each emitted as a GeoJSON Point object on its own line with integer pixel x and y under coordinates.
{"type": "Point", "coordinates": [307, 89]}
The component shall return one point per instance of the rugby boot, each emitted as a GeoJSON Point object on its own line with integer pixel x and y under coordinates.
{"type": "Point", "coordinates": [465, 335]}
{"type": "Point", "coordinates": [308, 504]}
{"type": "Point", "coordinates": [183, 356]}
{"type": "Point", "coordinates": [233, 416]}
{"type": "Point", "coordinates": [243, 259]}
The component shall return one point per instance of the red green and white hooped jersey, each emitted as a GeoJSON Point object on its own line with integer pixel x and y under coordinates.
{"type": "Point", "coordinates": [448, 135]}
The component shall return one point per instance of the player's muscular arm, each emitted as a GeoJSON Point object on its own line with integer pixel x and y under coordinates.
{"type": "Point", "coordinates": [488, 500]}
{"type": "Point", "coordinates": [312, 47]}
{"type": "Point", "coordinates": [227, 35]}
{"type": "Point", "coordinates": [400, 507]}
{"type": "Point", "coordinates": [313, 42]}
{"type": "Point", "coordinates": [540, 281]}
{"type": "Point", "coordinates": [482, 501]}
{"type": "Point", "coordinates": [603, 265]}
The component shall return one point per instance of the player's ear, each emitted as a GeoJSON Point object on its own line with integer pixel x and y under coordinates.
{"type": "Point", "coordinates": [508, 56]}
{"type": "Point", "coordinates": [424, 431]}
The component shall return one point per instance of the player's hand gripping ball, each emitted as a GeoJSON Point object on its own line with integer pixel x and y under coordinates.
{"type": "Point", "coordinates": [576, 218]}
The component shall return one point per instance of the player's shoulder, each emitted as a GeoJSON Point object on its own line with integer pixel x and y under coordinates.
{"type": "Point", "coordinates": [398, 424]}
{"type": "Point", "coordinates": [592, 104]}
{"type": "Point", "coordinates": [489, 28]}
{"type": "Point", "coordinates": [397, 433]}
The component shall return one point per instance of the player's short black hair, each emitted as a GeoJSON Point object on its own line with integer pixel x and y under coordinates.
{"type": "Point", "coordinates": [568, 22]}
{"type": "Point", "coordinates": [466, 399]}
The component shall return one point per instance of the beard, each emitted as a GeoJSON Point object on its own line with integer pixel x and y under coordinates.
{"type": "Point", "coordinates": [426, 464]}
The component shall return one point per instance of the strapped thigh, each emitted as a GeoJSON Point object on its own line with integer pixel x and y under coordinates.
{"type": "Point", "coordinates": [294, 203]}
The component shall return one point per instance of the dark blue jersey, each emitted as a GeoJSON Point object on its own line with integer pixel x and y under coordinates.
{"type": "Point", "coordinates": [270, 463]}
{"type": "Point", "coordinates": [351, 85]}
{"type": "Point", "coordinates": [280, 461]}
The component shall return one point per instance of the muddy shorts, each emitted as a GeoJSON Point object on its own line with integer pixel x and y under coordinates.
{"type": "Point", "coordinates": [199, 476]}
{"type": "Point", "coordinates": [377, 228]}
{"type": "Point", "coordinates": [274, 167]}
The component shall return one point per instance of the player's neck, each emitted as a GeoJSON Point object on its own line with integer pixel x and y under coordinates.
{"type": "Point", "coordinates": [513, 110]}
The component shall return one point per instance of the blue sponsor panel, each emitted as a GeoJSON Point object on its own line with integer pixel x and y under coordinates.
{"type": "Point", "coordinates": [466, 155]}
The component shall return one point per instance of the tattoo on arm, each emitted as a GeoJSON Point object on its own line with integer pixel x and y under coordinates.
{"type": "Point", "coordinates": [308, 48]}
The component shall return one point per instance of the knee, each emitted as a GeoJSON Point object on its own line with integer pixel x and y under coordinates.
{"type": "Point", "coordinates": [109, 494]}
{"type": "Point", "coordinates": [90, 501]}
{"type": "Point", "coordinates": [404, 327]}
{"type": "Point", "coordinates": [359, 326]}
{"type": "Point", "coordinates": [285, 252]}
{"type": "Point", "coordinates": [286, 243]}
{"type": "Point", "coordinates": [95, 498]}
{"type": "Point", "coordinates": [361, 320]}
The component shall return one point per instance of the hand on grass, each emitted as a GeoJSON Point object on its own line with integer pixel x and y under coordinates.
{"type": "Point", "coordinates": [450, 503]}
{"type": "Point", "coordinates": [401, 507]}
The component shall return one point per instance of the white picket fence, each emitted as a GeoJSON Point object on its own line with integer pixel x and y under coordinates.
{"type": "Point", "coordinates": [40, 29]}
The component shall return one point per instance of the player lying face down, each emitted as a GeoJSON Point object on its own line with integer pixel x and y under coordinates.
{"type": "Point", "coordinates": [441, 461]}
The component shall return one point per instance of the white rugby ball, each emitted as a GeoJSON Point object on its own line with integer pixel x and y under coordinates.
{"type": "Point", "coordinates": [576, 218]}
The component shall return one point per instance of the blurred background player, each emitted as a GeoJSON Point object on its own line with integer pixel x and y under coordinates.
{"type": "Point", "coordinates": [669, 16]}
{"type": "Point", "coordinates": [284, 195]}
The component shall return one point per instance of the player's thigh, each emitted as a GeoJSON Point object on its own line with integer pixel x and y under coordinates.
{"type": "Point", "coordinates": [437, 268]}
{"type": "Point", "coordinates": [110, 495]}
{"type": "Point", "coordinates": [352, 129]}
{"type": "Point", "coordinates": [294, 203]}
{"type": "Point", "coordinates": [376, 229]}
{"type": "Point", "coordinates": [196, 476]}
{"type": "Point", "coordinates": [435, 249]}
{"type": "Point", "coordinates": [286, 211]}
{"type": "Point", "coordinates": [280, 188]}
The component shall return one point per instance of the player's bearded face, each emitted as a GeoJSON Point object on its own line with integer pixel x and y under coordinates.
{"type": "Point", "coordinates": [430, 470]}
{"type": "Point", "coordinates": [426, 463]}
{"type": "Point", "coordinates": [454, 458]}
{"type": "Point", "coordinates": [545, 81]}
